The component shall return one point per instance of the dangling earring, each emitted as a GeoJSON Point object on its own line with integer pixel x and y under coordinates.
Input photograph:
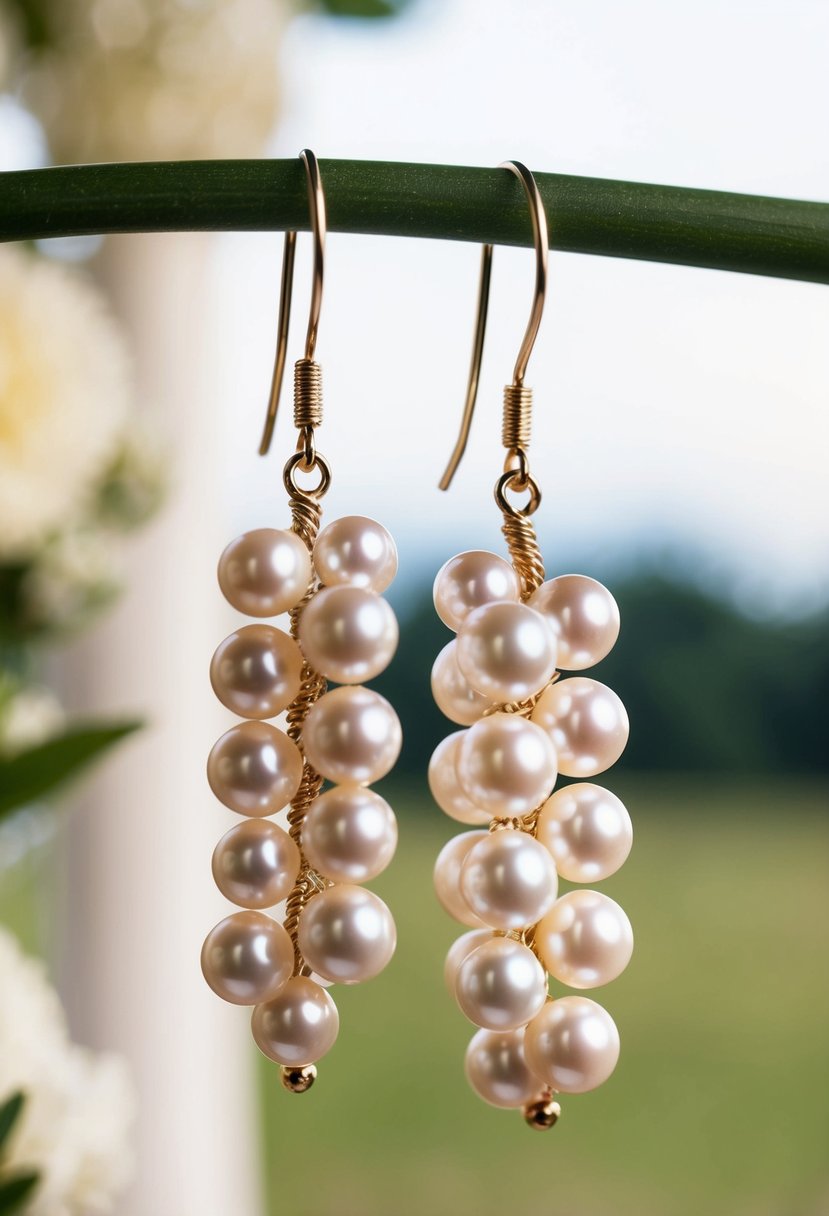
{"type": "Point", "coordinates": [498, 679]}
{"type": "Point", "coordinates": [341, 629]}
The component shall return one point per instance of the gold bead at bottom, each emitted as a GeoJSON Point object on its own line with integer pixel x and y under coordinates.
{"type": "Point", "coordinates": [542, 1113]}
{"type": "Point", "coordinates": [298, 1080]}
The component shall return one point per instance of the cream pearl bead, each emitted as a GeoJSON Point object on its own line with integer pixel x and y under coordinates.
{"type": "Point", "coordinates": [265, 572]}
{"type": "Point", "coordinates": [352, 735]}
{"type": "Point", "coordinates": [445, 786]}
{"type": "Point", "coordinates": [470, 580]}
{"type": "Point", "coordinates": [585, 940]}
{"type": "Point", "coordinates": [497, 1070]}
{"type": "Point", "coordinates": [453, 694]}
{"type": "Point", "coordinates": [506, 651]}
{"type": "Point", "coordinates": [254, 769]}
{"type": "Point", "coordinates": [583, 615]}
{"type": "Point", "coordinates": [588, 831]}
{"type": "Point", "coordinates": [506, 765]}
{"type": "Point", "coordinates": [462, 947]}
{"type": "Point", "coordinates": [256, 671]}
{"type": "Point", "coordinates": [501, 985]}
{"type": "Point", "coordinates": [348, 634]}
{"type": "Point", "coordinates": [572, 1044]}
{"type": "Point", "coordinates": [356, 551]}
{"type": "Point", "coordinates": [509, 880]}
{"type": "Point", "coordinates": [247, 958]}
{"type": "Point", "coordinates": [447, 876]}
{"type": "Point", "coordinates": [255, 864]}
{"type": "Point", "coordinates": [346, 934]}
{"type": "Point", "coordinates": [349, 834]}
{"type": "Point", "coordinates": [299, 1026]}
{"type": "Point", "coordinates": [587, 723]}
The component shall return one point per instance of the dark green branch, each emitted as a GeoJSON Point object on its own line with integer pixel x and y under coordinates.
{"type": "Point", "coordinates": [769, 236]}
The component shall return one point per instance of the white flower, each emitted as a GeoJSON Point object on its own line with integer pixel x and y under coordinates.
{"type": "Point", "coordinates": [75, 1124]}
{"type": "Point", "coordinates": [77, 572]}
{"type": "Point", "coordinates": [29, 716]}
{"type": "Point", "coordinates": [65, 390]}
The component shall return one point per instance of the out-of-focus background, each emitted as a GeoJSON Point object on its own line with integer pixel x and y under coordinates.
{"type": "Point", "coordinates": [680, 440]}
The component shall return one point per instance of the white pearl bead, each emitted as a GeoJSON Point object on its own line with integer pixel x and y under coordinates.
{"type": "Point", "coordinates": [585, 940]}
{"type": "Point", "coordinates": [469, 580]}
{"type": "Point", "coordinates": [265, 572]}
{"type": "Point", "coordinates": [462, 947]}
{"type": "Point", "coordinates": [447, 877]}
{"type": "Point", "coordinates": [583, 615]}
{"type": "Point", "coordinates": [509, 880]}
{"type": "Point", "coordinates": [346, 934]}
{"type": "Point", "coordinates": [298, 1026]}
{"type": "Point", "coordinates": [349, 834]}
{"type": "Point", "coordinates": [254, 769]}
{"type": "Point", "coordinates": [587, 723]}
{"type": "Point", "coordinates": [348, 634]}
{"type": "Point", "coordinates": [506, 765]}
{"type": "Point", "coordinates": [453, 694]}
{"type": "Point", "coordinates": [445, 786]}
{"type": "Point", "coordinates": [497, 1069]}
{"type": "Point", "coordinates": [352, 735]}
{"type": "Point", "coordinates": [572, 1044]}
{"type": "Point", "coordinates": [255, 864]}
{"type": "Point", "coordinates": [247, 958]}
{"type": "Point", "coordinates": [256, 671]}
{"type": "Point", "coordinates": [587, 830]}
{"type": "Point", "coordinates": [506, 651]}
{"type": "Point", "coordinates": [501, 985]}
{"type": "Point", "coordinates": [356, 551]}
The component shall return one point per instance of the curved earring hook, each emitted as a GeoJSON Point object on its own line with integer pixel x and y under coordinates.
{"type": "Point", "coordinates": [316, 204]}
{"type": "Point", "coordinates": [541, 241]}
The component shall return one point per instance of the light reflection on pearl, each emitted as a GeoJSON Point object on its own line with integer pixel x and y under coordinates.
{"type": "Point", "coordinates": [509, 880]}
{"type": "Point", "coordinates": [349, 834]}
{"type": "Point", "coordinates": [298, 1026]}
{"type": "Point", "coordinates": [497, 1070]}
{"type": "Point", "coordinates": [458, 951]}
{"type": "Point", "coordinates": [346, 934]}
{"type": "Point", "coordinates": [352, 734]}
{"type": "Point", "coordinates": [585, 940]}
{"type": "Point", "coordinates": [265, 572]}
{"type": "Point", "coordinates": [587, 723]}
{"type": "Point", "coordinates": [572, 1044]}
{"type": "Point", "coordinates": [453, 694]}
{"type": "Point", "coordinates": [247, 958]}
{"type": "Point", "coordinates": [355, 551]}
{"type": "Point", "coordinates": [506, 764]}
{"type": "Point", "coordinates": [583, 615]}
{"type": "Point", "coordinates": [469, 580]}
{"type": "Point", "coordinates": [254, 769]}
{"type": "Point", "coordinates": [445, 786]}
{"type": "Point", "coordinates": [501, 985]}
{"type": "Point", "coordinates": [348, 634]}
{"type": "Point", "coordinates": [506, 651]}
{"type": "Point", "coordinates": [447, 877]}
{"type": "Point", "coordinates": [256, 671]}
{"type": "Point", "coordinates": [255, 864]}
{"type": "Point", "coordinates": [588, 831]}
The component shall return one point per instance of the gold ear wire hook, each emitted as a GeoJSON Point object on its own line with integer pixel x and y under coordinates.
{"type": "Point", "coordinates": [541, 241]}
{"type": "Point", "coordinates": [316, 204]}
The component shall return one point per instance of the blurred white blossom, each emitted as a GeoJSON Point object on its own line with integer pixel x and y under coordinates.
{"type": "Point", "coordinates": [78, 572]}
{"type": "Point", "coordinates": [29, 715]}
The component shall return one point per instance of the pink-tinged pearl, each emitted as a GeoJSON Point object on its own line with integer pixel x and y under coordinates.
{"type": "Point", "coordinates": [299, 1026]}
{"type": "Point", "coordinates": [356, 551]}
{"type": "Point", "coordinates": [454, 695]}
{"type": "Point", "coordinates": [506, 765]}
{"type": "Point", "coordinates": [572, 1044]}
{"type": "Point", "coordinates": [349, 834]}
{"type": "Point", "coordinates": [501, 985]}
{"type": "Point", "coordinates": [583, 615]}
{"type": "Point", "coordinates": [346, 934]}
{"type": "Point", "coordinates": [247, 958]}
{"type": "Point", "coordinates": [447, 877]}
{"type": "Point", "coordinates": [352, 735]}
{"type": "Point", "coordinates": [348, 634]}
{"type": "Point", "coordinates": [445, 786]}
{"type": "Point", "coordinates": [587, 830]}
{"type": "Point", "coordinates": [254, 769]}
{"type": "Point", "coordinates": [469, 580]}
{"type": "Point", "coordinates": [509, 880]}
{"type": "Point", "coordinates": [256, 671]}
{"type": "Point", "coordinates": [265, 572]}
{"type": "Point", "coordinates": [459, 950]}
{"type": "Point", "coordinates": [506, 651]}
{"type": "Point", "coordinates": [585, 940]}
{"type": "Point", "coordinates": [587, 723]}
{"type": "Point", "coordinates": [255, 864]}
{"type": "Point", "coordinates": [497, 1070]}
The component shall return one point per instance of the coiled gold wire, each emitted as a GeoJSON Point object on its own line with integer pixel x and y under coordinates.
{"type": "Point", "coordinates": [522, 542]}
{"type": "Point", "coordinates": [516, 427]}
{"type": "Point", "coordinates": [307, 393]}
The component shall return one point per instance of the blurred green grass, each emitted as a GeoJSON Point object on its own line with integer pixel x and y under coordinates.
{"type": "Point", "coordinates": [718, 1104]}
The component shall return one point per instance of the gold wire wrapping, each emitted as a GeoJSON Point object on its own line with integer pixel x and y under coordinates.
{"type": "Point", "coordinates": [522, 542]}
{"type": "Point", "coordinates": [516, 428]}
{"type": "Point", "coordinates": [307, 393]}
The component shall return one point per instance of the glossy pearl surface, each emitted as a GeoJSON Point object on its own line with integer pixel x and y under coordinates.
{"type": "Point", "coordinates": [572, 1044]}
{"type": "Point", "coordinates": [587, 723]}
{"type": "Point", "coordinates": [588, 831]}
{"type": "Point", "coordinates": [256, 671]}
{"type": "Point", "coordinates": [469, 580]}
{"type": "Point", "coordinates": [348, 634]}
{"type": "Point", "coordinates": [453, 694]}
{"type": "Point", "coordinates": [501, 985]}
{"type": "Point", "coordinates": [497, 1070]}
{"type": "Point", "coordinates": [352, 735]}
{"type": "Point", "coordinates": [356, 551]}
{"type": "Point", "coordinates": [506, 651]}
{"type": "Point", "coordinates": [346, 934]}
{"type": "Point", "coordinates": [447, 875]}
{"type": "Point", "coordinates": [265, 572]}
{"type": "Point", "coordinates": [506, 765]}
{"type": "Point", "coordinates": [445, 786]}
{"type": "Point", "coordinates": [255, 864]}
{"type": "Point", "coordinates": [583, 615]}
{"type": "Point", "coordinates": [254, 769]}
{"type": "Point", "coordinates": [298, 1026]}
{"type": "Point", "coordinates": [247, 958]}
{"type": "Point", "coordinates": [349, 834]}
{"type": "Point", "coordinates": [509, 880]}
{"type": "Point", "coordinates": [458, 951]}
{"type": "Point", "coordinates": [585, 940]}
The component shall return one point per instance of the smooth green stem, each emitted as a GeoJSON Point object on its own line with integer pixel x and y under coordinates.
{"type": "Point", "coordinates": [780, 237]}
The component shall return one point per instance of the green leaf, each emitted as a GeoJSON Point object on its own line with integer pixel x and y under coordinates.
{"type": "Point", "coordinates": [15, 1190]}
{"type": "Point", "coordinates": [9, 1113]}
